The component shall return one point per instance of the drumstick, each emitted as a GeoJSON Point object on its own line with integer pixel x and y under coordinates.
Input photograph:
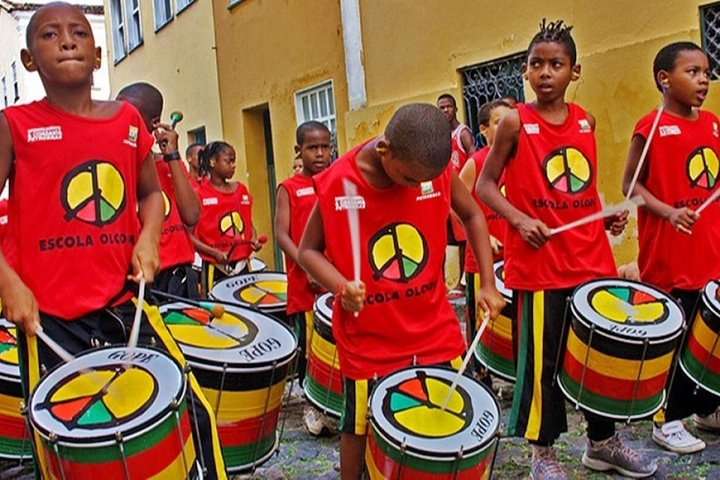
{"type": "Point", "coordinates": [468, 355]}
{"type": "Point", "coordinates": [709, 200]}
{"type": "Point", "coordinates": [262, 239]}
{"type": "Point", "coordinates": [354, 225]}
{"type": "Point", "coordinates": [135, 330]}
{"type": "Point", "coordinates": [216, 309]}
{"type": "Point", "coordinates": [54, 346]}
{"type": "Point", "coordinates": [643, 154]}
{"type": "Point", "coordinates": [604, 213]}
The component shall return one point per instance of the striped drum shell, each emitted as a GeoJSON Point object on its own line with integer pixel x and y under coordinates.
{"type": "Point", "coordinates": [700, 358]}
{"type": "Point", "coordinates": [14, 436]}
{"type": "Point", "coordinates": [323, 382]}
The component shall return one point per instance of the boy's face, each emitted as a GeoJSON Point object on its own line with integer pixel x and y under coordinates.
{"type": "Point", "coordinates": [408, 173]}
{"type": "Point", "coordinates": [192, 158]}
{"type": "Point", "coordinates": [689, 80]}
{"type": "Point", "coordinates": [225, 163]}
{"type": "Point", "coordinates": [549, 70]}
{"type": "Point", "coordinates": [448, 108]}
{"type": "Point", "coordinates": [61, 46]}
{"type": "Point", "coordinates": [489, 130]}
{"type": "Point", "coordinates": [315, 151]}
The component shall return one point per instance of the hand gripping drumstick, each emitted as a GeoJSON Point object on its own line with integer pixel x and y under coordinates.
{"type": "Point", "coordinates": [468, 355]}
{"type": "Point", "coordinates": [604, 213]}
{"type": "Point", "coordinates": [262, 239]}
{"type": "Point", "coordinates": [644, 152]}
{"type": "Point", "coordinates": [354, 224]}
{"type": "Point", "coordinates": [709, 200]}
{"type": "Point", "coordinates": [135, 330]}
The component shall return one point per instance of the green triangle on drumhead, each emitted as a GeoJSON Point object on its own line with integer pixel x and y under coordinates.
{"type": "Point", "coordinates": [623, 293]}
{"type": "Point", "coordinates": [4, 347]}
{"type": "Point", "coordinates": [177, 318]}
{"type": "Point", "coordinates": [96, 414]}
{"type": "Point", "coordinates": [400, 402]}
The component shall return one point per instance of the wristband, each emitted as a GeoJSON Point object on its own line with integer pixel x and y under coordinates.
{"type": "Point", "coordinates": [169, 157]}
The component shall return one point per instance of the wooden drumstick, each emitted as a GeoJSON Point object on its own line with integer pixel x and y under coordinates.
{"type": "Point", "coordinates": [468, 355]}
{"type": "Point", "coordinates": [604, 213]}
{"type": "Point", "coordinates": [216, 309]}
{"type": "Point", "coordinates": [644, 152]}
{"type": "Point", "coordinates": [354, 225]}
{"type": "Point", "coordinates": [54, 346]}
{"type": "Point", "coordinates": [709, 200]}
{"type": "Point", "coordinates": [135, 330]}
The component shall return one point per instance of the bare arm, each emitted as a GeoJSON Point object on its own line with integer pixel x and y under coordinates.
{"type": "Point", "coordinates": [313, 260]}
{"type": "Point", "coordinates": [532, 230]}
{"type": "Point", "coordinates": [467, 174]}
{"type": "Point", "coordinates": [205, 249]}
{"type": "Point", "coordinates": [19, 304]}
{"type": "Point", "coordinates": [479, 241]}
{"type": "Point", "coordinates": [187, 202]}
{"type": "Point", "coordinates": [468, 142]}
{"type": "Point", "coordinates": [146, 258]}
{"type": "Point", "coordinates": [682, 219]}
{"type": "Point", "coordinates": [282, 224]}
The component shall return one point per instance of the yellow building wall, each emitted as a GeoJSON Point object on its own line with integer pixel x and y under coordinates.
{"type": "Point", "coordinates": [413, 51]}
{"type": "Point", "coordinates": [179, 59]}
{"type": "Point", "coordinates": [268, 50]}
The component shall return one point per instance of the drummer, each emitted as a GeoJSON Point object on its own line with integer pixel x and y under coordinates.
{"type": "Point", "coordinates": [543, 270]}
{"type": "Point", "coordinates": [294, 201]}
{"type": "Point", "coordinates": [398, 313]}
{"type": "Point", "coordinates": [678, 248]}
{"type": "Point", "coordinates": [70, 262]}
{"type": "Point", "coordinates": [176, 276]}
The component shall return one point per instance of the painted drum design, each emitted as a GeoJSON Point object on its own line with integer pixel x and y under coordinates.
{"type": "Point", "coordinates": [700, 358]}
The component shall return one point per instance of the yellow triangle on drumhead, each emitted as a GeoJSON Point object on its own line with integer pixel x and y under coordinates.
{"type": "Point", "coordinates": [129, 392]}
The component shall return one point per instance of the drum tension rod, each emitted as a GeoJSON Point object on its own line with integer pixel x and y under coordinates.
{"type": "Point", "coordinates": [121, 447]}
{"type": "Point", "coordinates": [646, 342]}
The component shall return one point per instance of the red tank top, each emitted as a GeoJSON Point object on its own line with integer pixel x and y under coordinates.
{"type": "Point", "coordinates": [497, 225]}
{"type": "Point", "coordinates": [225, 220]}
{"type": "Point", "coordinates": [458, 158]}
{"type": "Point", "coordinates": [682, 171]}
{"type": "Point", "coordinates": [3, 218]}
{"type": "Point", "coordinates": [176, 248]}
{"type": "Point", "coordinates": [553, 177]}
{"type": "Point", "coordinates": [301, 195]}
{"type": "Point", "coordinates": [73, 203]}
{"type": "Point", "coordinates": [402, 242]}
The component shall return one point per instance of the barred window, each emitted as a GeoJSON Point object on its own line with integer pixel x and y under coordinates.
{"type": "Point", "coordinates": [489, 81]}
{"type": "Point", "coordinates": [710, 27]}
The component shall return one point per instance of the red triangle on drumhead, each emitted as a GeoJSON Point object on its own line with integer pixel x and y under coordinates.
{"type": "Point", "coordinates": [642, 297]}
{"type": "Point", "coordinates": [66, 411]}
{"type": "Point", "coordinates": [414, 388]}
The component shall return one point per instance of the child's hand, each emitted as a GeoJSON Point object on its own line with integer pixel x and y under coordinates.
{"type": "Point", "coordinates": [352, 296]}
{"type": "Point", "coordinates": [496, 245]}
{"type": "Point", "coordinates": [145, 260]}
{"type": "Point", "coordinates": [255, 245]}
{"type": "Point", "coordinates": [683, 219]}
{"type": "Point", "coordinates": [220, 257]}
{"type": "Point", "coordinates": [616, 223]}
{"type": "Point", "coordinates": [490, 300]}
{"type": "Point", "coordinates": [166, 138]}
{"type": "Point", "coordinates": [533, 231]}
{"type": "Point", "coordinates": [19, 306]}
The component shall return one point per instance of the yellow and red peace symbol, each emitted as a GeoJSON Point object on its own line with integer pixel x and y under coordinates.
{"type": "Point", "coordinates": [567, 170]}
{"type": "Point", "coordinates": [94, 193]}
{"type": "Point", "coordinates": [702, 168]}
{"type": "Point", "coordinates": [628, 305]}
{"type": "Point", "coordinates": [398, 252]}
{"type": "Point", "coordinates": [231, 224]}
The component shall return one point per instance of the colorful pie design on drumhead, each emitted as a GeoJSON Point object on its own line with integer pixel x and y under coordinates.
{"type": "Point", "coordinates": [629, 305]}
{"type": "Point", "coordinates": [198, 328]}
{"type": "Point", "coordinates": [8, 345]}
{"type": "Point", "coordinates": [414, 406]}
{"type": "Point", "coordinates": [263, 293]}
{"type": "Point", "coordinates": [101, 398]}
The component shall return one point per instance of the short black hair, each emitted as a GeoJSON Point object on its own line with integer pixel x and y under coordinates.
{"type": "Point", "coordinates": [309, 126]}
{"type": "Point", "coordinates": [191, 146]}
{"type": "Point", "coordinates": [210, 150]}
{"type": "Point", "coordinates": [420, 132]}
{"type": "Point", "coordinates": [485, 111]}
{"type": "Point", "coordinates": [449, 97]}
{"type": "Point", "coordinates": [555, 32]}
{"type": "Point", "coordinates": [146, 98]}
{"type": "Point", "coordinates": [30, 30]}
{"type": "Point", "coordinates": [665, 58]}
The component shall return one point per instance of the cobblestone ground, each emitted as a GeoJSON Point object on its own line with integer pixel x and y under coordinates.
{"type": "Point", "coordinates": [303, 457]}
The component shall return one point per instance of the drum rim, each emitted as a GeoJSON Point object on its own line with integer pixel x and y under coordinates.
{"type": "Point", "coordinates": [599, 329]}
{"type": "Point", "coordinates": [218, 363]}
{"type": "Point", "coordinates": [221, 285]}
{"type": "Point", "coordinates": [324, 408]}
{"type": "Point", "coordinates": [693, 380]}
{"type": "Point", "coordinates": [712, 304]}
{"type": "Point", "coordinates": [321, 302]}
{"type": "Point", "coordinates": [109, 438]}
{"type": "Point", "coordinates": [411, 448]}
{"type": "Point", "coordinates": [259, 461]}
{"type": "Point", "coordinates": [506, 292]}
{"type": "Point", "coordinates": [493, 369]}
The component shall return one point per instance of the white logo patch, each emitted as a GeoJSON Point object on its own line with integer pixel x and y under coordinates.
{"type": "Point", "coordinates": [667, 130]}
{"type": "Point", "coordinates": [584, 126]}
{"type": "Point", "coordinates": [348, 203]}
{"type": "Point", "coordinates": [210, 201]}
{"type": "Point", "coordinates": [44, 134]}
{"type": "Point", "coordinates": [3, 220]}
{"type": "Point", "coordinates": [304, 192]}
{"type": "Point", "coordinates": [532, 128]}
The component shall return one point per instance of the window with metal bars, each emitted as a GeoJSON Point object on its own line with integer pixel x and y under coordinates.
{"type": "Point", "coordinates": [489, 81]}
{"type": "Point", "coordinates": [710, 28]}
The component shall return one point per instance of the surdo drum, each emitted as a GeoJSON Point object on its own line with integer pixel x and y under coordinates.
{"type": "Point", "coordinates": [700, 357]}
{"type": "Point", "coordinates": [265, 292]}
{"type": "Point", "coordinates": [241, 360]}
{"type": "Point", "coordinates": [115, 413]}
{"type": "Point", "coordinates": [620, 348]}
{"type": "Point", "coordinates": [411, 437]}
{"type": "Point", "coordinates": [14, 435]}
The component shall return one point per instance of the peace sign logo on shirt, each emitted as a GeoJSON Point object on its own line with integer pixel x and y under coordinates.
{"type": "Point", "coordinates": [94, 193]}
{"type": "Point", "coordinates": [567, 170]}
{"type": "Point", "coordinates": [702, 168]}
{"type": "Point", "coordinates": [231, 224]}
{"type": "Point", "coordinates": [398, 252]}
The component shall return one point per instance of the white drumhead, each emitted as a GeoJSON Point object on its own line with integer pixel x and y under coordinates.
{"type": "Point", "coordinates": [324, 307]}
{"type": "Point", "coordinates": [8, 351]}
{"type": "Point", "coordinates": [499, 271]}
{"type": "Point", "coordinates": [264, 291]}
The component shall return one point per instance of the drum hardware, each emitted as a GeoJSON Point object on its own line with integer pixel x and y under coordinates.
{"type": "Point", "coordinates": [699, 356]}
{"type": "Point", "coordinates": [637, 379]}
{"type": "Point", "coordinates": [563, 340]}
{"type": "Point", "coordinates": [676, 361]}
{"type": "Point", "coordinates": [119, 440]}
{"type": "Point", "coordinates": [175, 407]}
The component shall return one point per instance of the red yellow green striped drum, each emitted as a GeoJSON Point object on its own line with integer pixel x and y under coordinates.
{"type": "Point", "coordinates": [241, 360]}
{"type": "Point", "coordinates": [620, 348]}
{"type": "Point", "coordinates": [495, 348]}
{"type": "Point", "coordinates": [411, 437]}
{"type": "Point", "coordinates": [14, 436]}
{"type": "Point", "coordinates": [323, 382]}
{"type": "Point", "coordinates": [264, 291]}
{"type": "Point", "coordinates": [700, 357]}
{"type": "Point", "coordinates": [115, 413]}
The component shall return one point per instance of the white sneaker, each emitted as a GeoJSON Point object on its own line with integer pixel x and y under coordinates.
{"type": "Point", "coordinates": [673, 436]}
{"type": "Point", "coordinates": [313, 420]}
{"type": "Point", "coordinates": [711, 422]}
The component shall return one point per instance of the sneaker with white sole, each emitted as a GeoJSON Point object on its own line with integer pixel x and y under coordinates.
{"type": "Point", "coordinates": [314, 420]}
{"type": "Point", "coordinates": [545, 465]}
{"type": "Point", "coordinates": [710, 423]}
{"type": "Point", "coordinates": [674, 437]}
{"type": "Point", "coordinates": [611, 454]}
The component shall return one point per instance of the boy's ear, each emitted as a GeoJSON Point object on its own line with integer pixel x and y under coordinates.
{"type": "Point", "coordinates": [383, 146]}
{"type": "Point", "coordinates": [523, 70]}
{"type": "Point", "coordinates": [663, 79]}
{"type": "Point", "coordinates": [297, 149]}
{"type": "Point", "coordinates": [483, 130]}
{"type": "Point", "coordinates": [576, 72]}
{"type": "Point", "coordinates": [98, 57]}
{"type": "Point", "coordinates": [27, 60]}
